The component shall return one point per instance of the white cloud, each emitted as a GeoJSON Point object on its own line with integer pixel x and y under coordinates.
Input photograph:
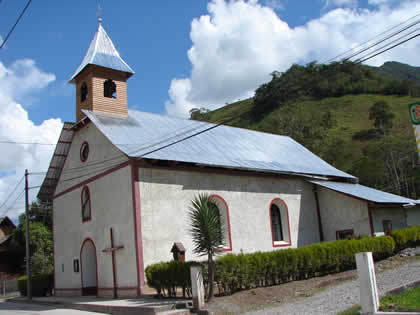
{"type": "Point", "coordinates": [239, 43]}
{"type": "Point", "coordinates": [18, 81]}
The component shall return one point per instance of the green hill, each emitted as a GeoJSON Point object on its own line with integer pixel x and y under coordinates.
{"type": "Point", "coordinates": [400, 71]}
{"type": "Point", "coordinates": [338, 129]}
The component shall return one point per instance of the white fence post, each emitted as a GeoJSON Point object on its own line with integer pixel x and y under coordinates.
{"type": "Point", "coordinates": [197, 287]}
{"type": "Point", "coordinates": [369, 300]}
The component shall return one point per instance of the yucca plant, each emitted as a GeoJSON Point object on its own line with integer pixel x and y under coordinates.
{"type": "Point", "coordinates": [206, 232]}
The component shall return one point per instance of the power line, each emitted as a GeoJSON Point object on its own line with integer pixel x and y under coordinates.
{"type": "Point", "coordinates": [13, 203]}
{"type": "Point", "coordinates": [17, 21]}
{"type": "Point", "coordinates": [369, 40]}
{"type": "Point", "coordinates": [10, 195]}
{"type": "Point", "coordinates": [381, 52]}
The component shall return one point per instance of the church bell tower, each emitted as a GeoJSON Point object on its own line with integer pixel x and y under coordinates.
{"type": "Point", "coordinates": [101, 78]}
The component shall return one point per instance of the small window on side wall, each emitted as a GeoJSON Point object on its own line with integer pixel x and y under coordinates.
{"type": "Point", "coordinates": [86, 210]}
{"type": "Point", "coordinates": [279, 221]}
{"type": "Point", "coordinates": [344, 234]}
{"type": "Point", "coordinates": [223, 209]}
{"type": "Point", "coordinates": [110, 89]}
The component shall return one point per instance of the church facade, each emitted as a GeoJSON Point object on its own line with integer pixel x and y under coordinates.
{"type": "Point", "coordinates": [121, 182]}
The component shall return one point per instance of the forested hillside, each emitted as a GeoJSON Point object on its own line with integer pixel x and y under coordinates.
{"type": "Point", "coordinates": [349, 114]}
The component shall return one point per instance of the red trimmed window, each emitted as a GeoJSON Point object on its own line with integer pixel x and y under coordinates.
{"type": "Point", "coordinates": [86, 208]}
{"type": "Point", "coordinates": [223, 208]}
{"type": "Point", "coordinates": [84, 151]}
{"type": "Point", "coordinates": [279, 221]}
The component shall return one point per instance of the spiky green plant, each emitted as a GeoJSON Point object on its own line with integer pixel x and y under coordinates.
{"type": "Point", "coordinates": [206, 232]}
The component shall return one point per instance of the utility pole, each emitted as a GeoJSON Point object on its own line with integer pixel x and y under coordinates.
{"type": "Point", "coordinates": [28, 270]}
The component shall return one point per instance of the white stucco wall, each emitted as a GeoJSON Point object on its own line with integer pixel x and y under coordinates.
{"type": "Point", "coordinates": [165, 196]}
{"type": "Point", "coordinates": [395, 214]}
{"type": "Point", "coordinates": [111, 206]}
{"type": "Point", "coordinates": [413, 215]}
{"type": "Point", "coordinates": [342, 212]}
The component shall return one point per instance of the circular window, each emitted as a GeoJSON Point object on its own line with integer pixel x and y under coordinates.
{"type": "Point", "coordinates": [84, 151]}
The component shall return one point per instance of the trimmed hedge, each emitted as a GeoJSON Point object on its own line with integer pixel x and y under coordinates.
{"type": "Point", "coordinates": [41, 285]}
{"type": "Point", "coordinates": [168, 276]}
{"type": "Point", "coordinates": [404, 238]}
{"type": "Point", "coordinates": [244, 271]}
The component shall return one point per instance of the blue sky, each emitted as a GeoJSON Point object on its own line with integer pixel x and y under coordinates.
{"type": "Point", "coordinates": [187, 53]}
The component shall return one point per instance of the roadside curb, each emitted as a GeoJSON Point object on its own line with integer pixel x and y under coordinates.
{"type": "Point", "coordinates": [401, 289]}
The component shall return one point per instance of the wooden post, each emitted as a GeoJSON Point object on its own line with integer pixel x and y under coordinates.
{"type": "Point", "coordinates": [112, 250]}
{"type": "Point", "coordinates": [369, 300]}
{"type": "Point", "coordinates": [197, 287]}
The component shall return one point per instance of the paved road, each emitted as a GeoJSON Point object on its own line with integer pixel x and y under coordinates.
{"type": "Point", "coordinates": [339, 298]}
{"type": "Point", "coordinates": [9, 308]}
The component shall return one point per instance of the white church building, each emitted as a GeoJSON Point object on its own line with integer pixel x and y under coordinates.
{"type": "Point", "coordinates": [121, 182]}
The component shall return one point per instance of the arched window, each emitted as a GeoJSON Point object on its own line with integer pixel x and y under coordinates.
{"type": "Point", "coordinates": [222, 206]}
{"type": "Point", "coordinates": [86, 209]}
{"type": "Point", "coordinates": [110, 89]}
{"type": "Point", "coordinates": [83, 92]}
{"type": "Point", "coordinates": [279, 221]}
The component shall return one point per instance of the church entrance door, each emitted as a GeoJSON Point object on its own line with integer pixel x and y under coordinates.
{"type": "Point", "coordinates": [89, 271]}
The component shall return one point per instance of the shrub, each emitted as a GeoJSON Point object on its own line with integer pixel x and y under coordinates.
{"type": "Point", "coordinates": [167, 277]}
{"type": "Point", "coordinates": [409, 237]}
{"type": "Point", "coordinates": [41, 285]}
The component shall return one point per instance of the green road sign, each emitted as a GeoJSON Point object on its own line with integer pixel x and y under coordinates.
{"type": "Point", "coordinates": [415, 113]}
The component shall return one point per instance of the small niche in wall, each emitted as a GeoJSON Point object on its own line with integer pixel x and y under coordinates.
{"type": "Point", "coordinates": [76, 265]}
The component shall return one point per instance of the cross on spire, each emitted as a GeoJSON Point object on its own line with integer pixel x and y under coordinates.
{"type": "Point", "coordinates": [99, 13]}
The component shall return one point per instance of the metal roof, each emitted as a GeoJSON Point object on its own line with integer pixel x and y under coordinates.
{"type": "Point", "coordinates": [57, 162]}
{"type": "Point", "coordinates": [364, 192]}
{"type": "Point", "coordinates": [102, 52]}
{"type": "Point", "coordinates": [141, 133]}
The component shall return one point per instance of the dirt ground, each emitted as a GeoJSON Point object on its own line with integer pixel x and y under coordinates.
{"type": "Point", "coordinates": [259, 298]}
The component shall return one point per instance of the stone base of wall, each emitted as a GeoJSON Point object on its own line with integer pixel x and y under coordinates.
{"type": "Point", "coordinates": [68, 292]}
{"type": "Point", "coordinates": [121, 292]}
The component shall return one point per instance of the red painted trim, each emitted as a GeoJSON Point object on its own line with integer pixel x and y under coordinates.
{"type": "Point", "coordinates": [288, 222]}
{"type": "Point", "coordinates": [137, 227]}
{"type": "Point", "coordinates": [346, 230]}
{"type": "Point", "coordinates": [318, 212]}
{"type": "Point", "coordinates": [84, 144]}
{"type": "Point", "coordinates": [53, 241]}
{"type": "Point", "coordinates": [89, 180]}
{"type": "Point", "coordinates": [88, 239]}
{"type": "Point", "coordinates": [370, 220]}
{"type": "Point", "coordinates": [90, 205]}
{"type": "Point", "coordinates": [228, 222]}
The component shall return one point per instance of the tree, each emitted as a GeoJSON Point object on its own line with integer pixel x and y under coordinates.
{"type": "Point", "coordinates": [40, 245]}
{"type": "Point", "coordinates": [196, 113]}
{"type": "Point", "coordinates": [382, 115]}
{"type": "Point", "coordinates": [206, 232]}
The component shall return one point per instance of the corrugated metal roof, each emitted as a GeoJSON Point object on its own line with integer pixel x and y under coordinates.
{"type": "Point", "coordinates": [57, 162]}
{"type": "Point", "coordinates": [228, 147]}
{"type": "Point", "coordinates": [363, 192]}
{"type": "Point", "coordinates": [102, 52]}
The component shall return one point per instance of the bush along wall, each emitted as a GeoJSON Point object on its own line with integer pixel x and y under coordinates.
{"type": "Point", "coordinates": [235, 272]}
{"type": "Point", "coordinates": [41, 285]}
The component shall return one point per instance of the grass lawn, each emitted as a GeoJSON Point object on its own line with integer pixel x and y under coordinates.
{"type": "Point", "coordinates": [409, 301]}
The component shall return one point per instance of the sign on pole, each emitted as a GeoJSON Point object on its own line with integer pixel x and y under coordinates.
{"type": "Point", "coordinates": [415, 120]}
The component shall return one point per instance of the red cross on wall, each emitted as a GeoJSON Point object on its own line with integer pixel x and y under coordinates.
{"type": "Point", "coordinates": [112, 250]}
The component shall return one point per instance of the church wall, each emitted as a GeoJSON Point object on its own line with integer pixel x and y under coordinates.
{"type": "Point", "coordinates": [341, 212]}
{"type": "Point", "coordinates": [395, 214]}
{"type": "Point", "coordinates": [165, 196]}
{"type": "Point", "coordinates": [111, 207]}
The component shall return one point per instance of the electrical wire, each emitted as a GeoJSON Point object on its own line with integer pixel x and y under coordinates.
{"type": "Point", "coordinates": [11, 207]}
{"type": "Point", "coordinates": [10, 195]}
{"type": "Point", "coordinates": [371, 39]}
{"type": "Point", "coordinates": [17, 21]}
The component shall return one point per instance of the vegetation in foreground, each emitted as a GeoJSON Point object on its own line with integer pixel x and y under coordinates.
{"type": "Point", "coordinates": [409, 301]}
